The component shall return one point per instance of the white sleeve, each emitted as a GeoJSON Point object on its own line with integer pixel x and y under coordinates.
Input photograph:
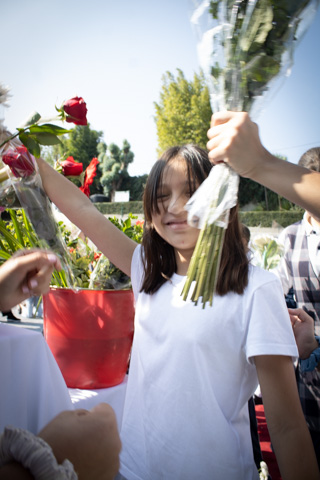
{"type": "Point", "coordinates": [269, 329]}
{"type": "Point", "coordinates": [136, 271]}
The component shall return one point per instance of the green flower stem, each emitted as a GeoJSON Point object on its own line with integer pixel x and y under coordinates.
{"type": "Point", "coordinates": [192, 270]}
{"type": "Point", "coordinates": [4, 175]}
{"type": "Point", "coordinates": [212, 256]}
{"type": "Point", "coordinates": [11, 138]}
{"type": "Point", "coordinates": [204, 264]}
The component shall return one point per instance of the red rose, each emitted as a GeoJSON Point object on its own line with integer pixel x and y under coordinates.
{"type": "Point", "coordinates": [20, 161]}
{"type": "Point", "coordinates": [90, 173]}
{"type": "Point", "coordinates": [71, 168]}
{"type": "Point", "coordinates": [76, 110]}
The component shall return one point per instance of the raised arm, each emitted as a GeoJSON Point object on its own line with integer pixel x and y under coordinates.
{"type": "Point", "coordinates": [286, 424]}
{"type": "Point", "coordinates": [234, 139]}
{"type": "Point", "coordinates": [82, 212]}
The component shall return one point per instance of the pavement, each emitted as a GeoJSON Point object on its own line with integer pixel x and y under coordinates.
{"type": "Point", "coordinates": [25, 322]}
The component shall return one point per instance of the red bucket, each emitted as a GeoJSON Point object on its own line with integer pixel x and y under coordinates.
{"type": "Point", "coordinates": [90, 334]}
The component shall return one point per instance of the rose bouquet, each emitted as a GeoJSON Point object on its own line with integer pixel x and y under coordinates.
{"type": "Point", "coordinates": [20, 181]}
{"type": "Point", "coordinates": [245, 47]}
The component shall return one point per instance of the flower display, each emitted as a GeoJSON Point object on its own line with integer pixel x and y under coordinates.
{"type": "Point", "coordinates": [244, 48]}
{"type": "Point", "coordinates": [106, 276]}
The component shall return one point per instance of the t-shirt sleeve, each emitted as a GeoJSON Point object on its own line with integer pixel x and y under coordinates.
{"type": "Point", "coordinates": [269, 330]}
{"type": "Point", "coordinates": [136, 271]}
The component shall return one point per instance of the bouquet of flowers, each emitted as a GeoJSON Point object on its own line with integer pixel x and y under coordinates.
{"type": "Point", "coordinates": [245, 47]}
{"type": "Point", "coordinates": [267, 251]}
{"type": "Point", "coordinates": [20, 181]}
{"type": "Point", "coordinates": [106, 276]}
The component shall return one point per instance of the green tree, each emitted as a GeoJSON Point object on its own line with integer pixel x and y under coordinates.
{"type": "Point", "coordinates": [114, 167]}
{"type": "Point", "coordinates": [82, 144]}
{"type": "Point", "coordinates": [183, 113]}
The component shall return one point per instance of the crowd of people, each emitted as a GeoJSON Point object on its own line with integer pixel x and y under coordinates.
{"type": "Point", "coordinates": [192, 369]}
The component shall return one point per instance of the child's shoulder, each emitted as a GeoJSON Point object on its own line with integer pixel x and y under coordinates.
{"type": "Point", "coordinates": [258, 277]}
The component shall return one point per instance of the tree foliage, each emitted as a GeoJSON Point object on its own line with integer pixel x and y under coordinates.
{"type": "Point", "coordinates": [183, 113]}
{"type": "Point", "coordinates": [114, 164]}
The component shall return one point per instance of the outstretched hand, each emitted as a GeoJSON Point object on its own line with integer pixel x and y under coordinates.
{"type": "Point", "coordinates": [26, 273]}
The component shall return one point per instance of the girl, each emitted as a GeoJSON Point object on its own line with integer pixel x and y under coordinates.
{"type": "Point", "coordinates": [193, 370]}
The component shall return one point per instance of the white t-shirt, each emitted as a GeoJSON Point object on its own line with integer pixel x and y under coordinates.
{"type": "Point", "coordinates": [191, 375]}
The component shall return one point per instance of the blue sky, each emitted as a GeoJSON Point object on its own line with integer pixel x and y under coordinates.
{"type": "Point", "coordinates": [114, 54]}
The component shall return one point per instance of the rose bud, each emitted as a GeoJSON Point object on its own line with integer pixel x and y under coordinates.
{"type": "Point", "coordinates": [76, 110]}
{"type": "Point", "coordinates": [71, 168]}
{"type": "Point", "coordinates": [19, 160]}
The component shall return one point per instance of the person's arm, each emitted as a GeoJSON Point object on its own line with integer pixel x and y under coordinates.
{"type": "Point", "coordinates": [116, 246]}
{"type": "Point", "coordinates": [234, 139]}
{"type": "Point", "coordinates": [88, 439]}
{"type": "Point", "coordinates": [27, 272]}
{"type": "Point", "coordinates": [286, 424]}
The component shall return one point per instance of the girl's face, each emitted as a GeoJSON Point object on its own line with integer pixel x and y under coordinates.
{"type": "Point", "coordinates": [171, 221]}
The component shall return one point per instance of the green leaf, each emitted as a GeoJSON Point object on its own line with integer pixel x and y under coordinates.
{"type": "Point", "coordinates": [45, 138]}
{"type": "Point", "coordinates": [49, 128]}
{"type": "Point", "coordinates": [31, 144]}
{"type": "Point", "coordinates": [16, 227]}
{"type": "Point", "coordinates": [5, 255]}
{"type": "Point", "coordinates": [12, 241]}
{"type": "Point", "coordinates": [34, 117]}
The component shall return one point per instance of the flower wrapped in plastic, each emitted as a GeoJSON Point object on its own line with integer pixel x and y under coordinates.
{"type": "Point", "coordinates": [22, 183]}
{"type": "Point", "coordinates": [267, 251]}
{"type": "Point", "coordinates": [245, 48]}
{"type": "Point", "coordinates": [106, 276]}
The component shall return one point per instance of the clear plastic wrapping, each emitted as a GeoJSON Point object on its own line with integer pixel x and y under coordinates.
{"type": "Point", "coordinates": [23, 189]}
{"type": "Point", "coordinates": [245, 47]}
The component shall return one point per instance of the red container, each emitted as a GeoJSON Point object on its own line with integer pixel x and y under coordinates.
{"type": "Point", "coordinates": [90, 334]}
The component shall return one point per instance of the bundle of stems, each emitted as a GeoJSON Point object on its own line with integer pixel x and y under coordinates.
{"type": "Point", "coordinates": [244, 46]}
{"type": "Point", "coordinates": [205, 260]}
{"type": "Point", "coordinates": [204, 264]}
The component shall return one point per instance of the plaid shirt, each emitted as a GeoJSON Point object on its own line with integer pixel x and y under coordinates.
{"type": "Point", "coordinates": [295, 270]}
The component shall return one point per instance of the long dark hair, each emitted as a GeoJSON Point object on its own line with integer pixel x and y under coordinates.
{"type": "Point", "coordinates": [159, 257]}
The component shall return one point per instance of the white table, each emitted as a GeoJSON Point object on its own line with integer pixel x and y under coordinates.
{"type": "Point", "coordinates": [114, 396]}
{"type": "Point", "coordinates": [32, 389]}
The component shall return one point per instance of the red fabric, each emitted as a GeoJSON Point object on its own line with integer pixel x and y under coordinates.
{"type": "Point", "coordinates": [267, 453]}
